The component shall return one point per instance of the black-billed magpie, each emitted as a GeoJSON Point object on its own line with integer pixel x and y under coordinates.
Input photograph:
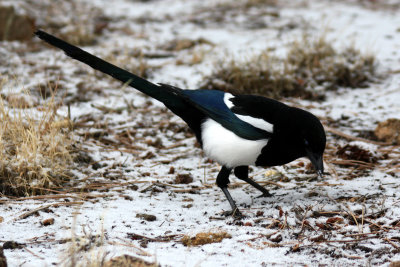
{"type": "Point", "coordinates": [234, 130]}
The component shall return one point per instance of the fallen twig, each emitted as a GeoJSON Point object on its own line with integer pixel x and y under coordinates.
{"type": "Point", "coordinates": [166, 238]}
{"type": "Point", "coordinates": [361, 234]}
{"type": "Point", "coordinates": [392, 243]}
{"type": "Point", "coordinates": [346, 241]}
{"type": "Point", "coordinates": [349, 137]}
{"type": "Point", "coordinates": [34, 254]}
{"type": "Point", "coordinates": [29, 213]}
{"type": "Point", "coordinates": [350, 162]}
{"type": "Point", "coordinates": [328, 184]}
{"type": "Point", "coordinates": [81, 196]}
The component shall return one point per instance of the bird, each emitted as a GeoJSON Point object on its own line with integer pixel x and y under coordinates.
{"type": "Point", "coordinates": [234, 130]}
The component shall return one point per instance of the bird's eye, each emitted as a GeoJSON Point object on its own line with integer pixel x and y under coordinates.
{"type": "Point", "coordinates": [306, 142]}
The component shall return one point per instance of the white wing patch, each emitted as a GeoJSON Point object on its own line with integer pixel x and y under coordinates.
{"type": "Point", "coordinates": [256, 122]}
{"type": "Point", "coordinates": [227, 148]}
{"type": "Point", "coordinates": [227, 100]}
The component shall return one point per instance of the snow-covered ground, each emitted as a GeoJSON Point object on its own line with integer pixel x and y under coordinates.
{"type": "Point", "coordinates": [350, 217]}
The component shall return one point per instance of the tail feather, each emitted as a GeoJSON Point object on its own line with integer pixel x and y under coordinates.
{"type": "Point", "coordinates": [172, 97]}
{"type": "Point", "coordinates": [161, 93]}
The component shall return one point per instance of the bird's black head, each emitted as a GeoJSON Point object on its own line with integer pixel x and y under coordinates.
{"type": "Point", "coordinates": [296, 133]}
{"type": "Point", "coordinates": [311, 138]}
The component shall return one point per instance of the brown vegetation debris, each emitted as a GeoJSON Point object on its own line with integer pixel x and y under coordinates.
{"type": "Point", "coordinates": [324, 226]}
{"type": "Point", "coordinates": [185, 178]}
{"type": "Point", "coordinates": [81, 23]}
{"type": "Point", "coordinates": [395, 223]}
{"type": "Point", "coordinates": [182, 44]}
{"type": "Point", "coordinates": [389, 131]}
{"type": "Point", "coordinates": [12, 245]}
{"type": "Point", "coordinates": [318, 63]}
{"type": "Point", "coordinates": [36, 150]}
{"type": "Point", "coordinates": [155, 142]}
{"type": "Point", "coordinates": [171, 170]}
{"type": "Point", "coordinates": [48, 222]}
{"type": "Point", "coordinates": [20, 100]}
{"type": "Point", "coordinates": [247, 3]}
{"type": "Point", "coordinates": [128, 261]}
{"type": "Point", "coordinates": [45, 90]}
{"type": "Point", "coordinates": [318, 238]}
{"type": "Point", "coordinates": [378, 5]}
{"type": "Point", "coordinates": [226, 12]}
{"type": "Point", "coordinates": [334, 220]}
{"type": "Point", "coordinates": [204, 238]}
{"type": "Point", "coordinates": [309, 65]}
{"type": "Point", "coordinates": [14, 26]}
{"type": "Point", "coordinates": [147, 217]}
{"type": "Point", "coordinates": [3, 260]}
{"type": "Point", "coordinates": [148, 155]}
{"type": "Point", "coordinates": [352, 152]}
{"type": "Point", "coordinates": [255, 76]}
{"type": "Point", "coordinates": [276, 238]}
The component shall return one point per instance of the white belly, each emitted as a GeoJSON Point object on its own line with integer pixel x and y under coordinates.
{"type": "Point", "coordinates": [227, 148]}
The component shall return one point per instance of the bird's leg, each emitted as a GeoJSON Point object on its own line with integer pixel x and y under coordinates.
{"type": "Point", "coordinates": [242, 172]}
{"type": "Point", "coordinates": [222, 182]}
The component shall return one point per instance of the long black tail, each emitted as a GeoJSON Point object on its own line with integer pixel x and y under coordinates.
{"type": "Point", "coordinates": [161, 93]}
{"type": "Point", "coordinates": [172, 97]}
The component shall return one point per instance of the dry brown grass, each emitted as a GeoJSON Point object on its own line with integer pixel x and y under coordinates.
{"type": "Point", "coordinates": [98, 259]}
{"type": "Point", "coordinates": [35, 149]}
{"type": "Point", "coordinates": [377, 5]}
{"type": "Point", "coordinates": [258, 75]}
{"type": "Point", "coordinates": [88, 250]}
{"type": "Point", "coordinates": [204, 238]}
{"type": "Point", "coordinates": [317, 63]}
{"type": "Point", "coordinates": [225, 13]}
{"type": "Point", "coordinates": [311, 67]}
{"type": "Point", "coordinates": [245, 4]}
{"type": "Point", "coordinates": [77, 22]}
{"type": "Point", "coordinates": [129, 261]}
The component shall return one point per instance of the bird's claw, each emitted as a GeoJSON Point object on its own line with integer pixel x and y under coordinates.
{"type": "Point", "coordinates": [236, 214]}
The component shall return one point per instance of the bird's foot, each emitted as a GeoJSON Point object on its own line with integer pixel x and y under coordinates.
{"type": "Point", "coordinates": [265, 194]}
{"type": "Point", "coordinates": [236, 214]}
